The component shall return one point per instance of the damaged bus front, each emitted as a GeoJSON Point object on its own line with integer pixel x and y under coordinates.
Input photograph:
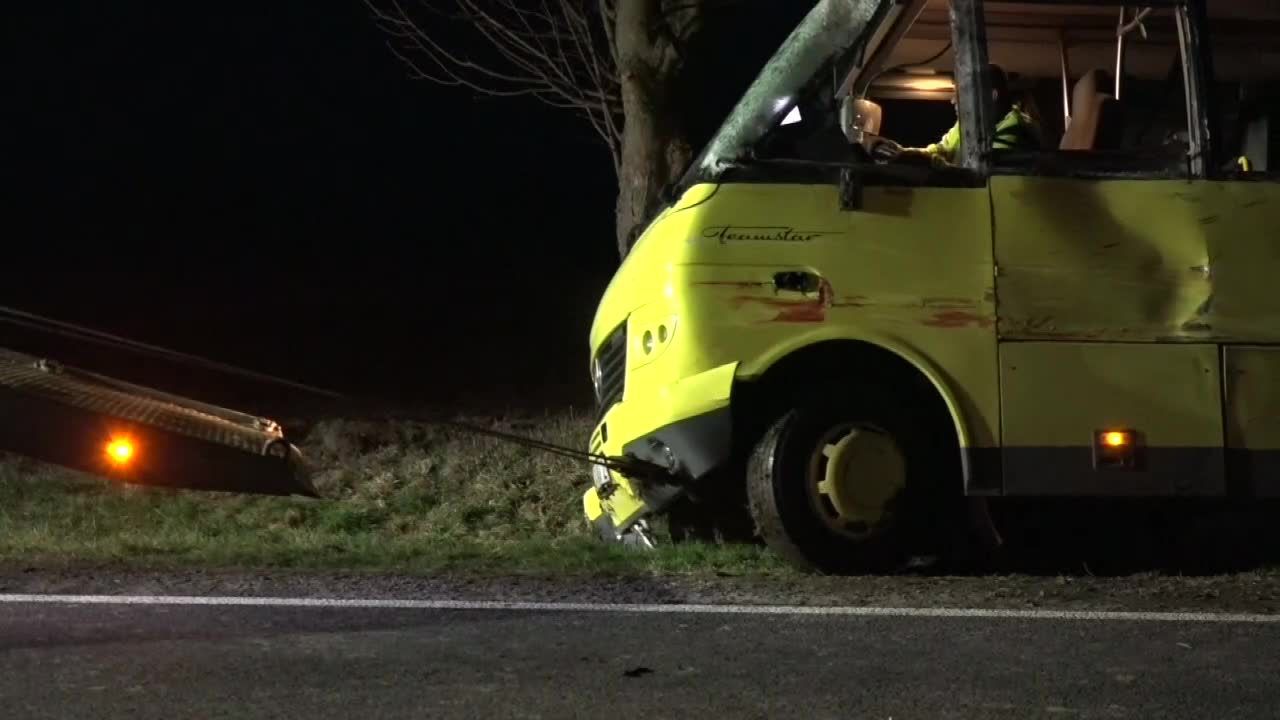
{"type": "Point", "coordinates": [850, 341]}
{"type": "Point", "coordinates": [664, 362]}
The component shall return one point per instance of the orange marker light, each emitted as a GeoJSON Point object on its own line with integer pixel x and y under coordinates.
{"type": "Point", "coordinates": [1115, 439]}
{"type": "Point", "coordinates": [120, 451]}
{"type": "Point", "coordinates": [1117, 450]}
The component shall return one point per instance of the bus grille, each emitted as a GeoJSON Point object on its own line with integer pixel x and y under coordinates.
{"type": "Point", "coordinates": [613, 370]}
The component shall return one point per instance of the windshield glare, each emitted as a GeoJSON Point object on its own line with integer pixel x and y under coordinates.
{"type": "Point", "coordinates": [832, 27]}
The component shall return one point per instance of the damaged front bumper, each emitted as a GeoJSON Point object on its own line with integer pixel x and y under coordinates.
{"type": "Point", "coordinates": [680, 435]}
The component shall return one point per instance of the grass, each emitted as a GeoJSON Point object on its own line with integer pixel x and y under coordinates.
{"type": "Point", "coordinates": [399, 497]}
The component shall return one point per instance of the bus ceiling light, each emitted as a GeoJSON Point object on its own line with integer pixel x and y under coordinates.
{"type": "Point", "coordinates": [928, 84]}
{"type": "Point", "coordinates": [913, 86]}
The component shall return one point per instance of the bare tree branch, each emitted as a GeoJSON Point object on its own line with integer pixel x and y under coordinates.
{"type": "Point", "coordinates": [560, 52]}
{"type": "Point", "coordinates": [609, 16]}
{"type": "Point", "coordinates": [620, 65]}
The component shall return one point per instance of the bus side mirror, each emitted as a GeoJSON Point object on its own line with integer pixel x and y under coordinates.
{"type": "Point", "coordinates": [859, 117]}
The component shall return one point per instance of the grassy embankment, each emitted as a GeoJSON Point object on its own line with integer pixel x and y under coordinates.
{"type": "Point", "coordinates": [398, 497]}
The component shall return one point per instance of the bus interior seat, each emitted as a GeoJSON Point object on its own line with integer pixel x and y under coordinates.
{"type": "Point", "coordinates": [1097, 121]}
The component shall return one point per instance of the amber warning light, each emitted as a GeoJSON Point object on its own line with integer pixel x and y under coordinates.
{"type": "Point", "coordinates": [120, 451]}
{"type": "Point", "coordinates": [1115, 439]}
{"type": "Point", "coordinates": [1114, 449]}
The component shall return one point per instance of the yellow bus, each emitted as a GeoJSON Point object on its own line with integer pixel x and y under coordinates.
{"type": "Point", "coordinates": [858, 345]}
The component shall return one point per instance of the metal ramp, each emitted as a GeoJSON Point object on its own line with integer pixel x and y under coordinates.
{"type": "Point", "coordinates": [113, 429]}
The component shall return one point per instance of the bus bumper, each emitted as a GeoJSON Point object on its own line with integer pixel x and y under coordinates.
{"type": "Point", "coordinates": [684, 428]}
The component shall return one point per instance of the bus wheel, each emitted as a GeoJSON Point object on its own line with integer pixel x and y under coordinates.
{"type": "Point", "coordinates": [830, 485]}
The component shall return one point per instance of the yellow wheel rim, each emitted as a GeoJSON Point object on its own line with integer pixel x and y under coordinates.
{"type": "Point", "coordinates": [855, 475]}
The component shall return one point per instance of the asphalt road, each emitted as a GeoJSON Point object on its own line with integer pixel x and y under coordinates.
{"type": "Point", "coordinates": [145, 661]}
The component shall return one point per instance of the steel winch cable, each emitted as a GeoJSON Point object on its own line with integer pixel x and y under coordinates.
{"type": "Point", "coordinates": [626, 465]}
{"type": "Point", "coordinates": [31, 321]}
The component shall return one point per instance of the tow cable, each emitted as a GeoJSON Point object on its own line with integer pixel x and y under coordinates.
{"type": "Point", "coordinates": [627, 465]}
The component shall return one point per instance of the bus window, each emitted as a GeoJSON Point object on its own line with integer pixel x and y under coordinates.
{"type": "Point", "coordinates": [1104, 84]}
{"type": "Point", "coordinates": [1092, 101]}
{"type": "Point", "coordinates": [1244, 40]}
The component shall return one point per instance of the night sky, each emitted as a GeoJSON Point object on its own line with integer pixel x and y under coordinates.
{"type": "Point", "coordinates": [172, 172]}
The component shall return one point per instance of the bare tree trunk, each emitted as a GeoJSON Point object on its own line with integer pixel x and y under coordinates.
{"type": "Point", "coordinates": [654, 151]}
{"type": "Point", "coordinates": [617, 63]}
{"type": "Point", "coordinates": [654, 147]}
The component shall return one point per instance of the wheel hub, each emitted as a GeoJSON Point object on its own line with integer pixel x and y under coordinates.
{"type": "Point", "coordinates": [855, 475]}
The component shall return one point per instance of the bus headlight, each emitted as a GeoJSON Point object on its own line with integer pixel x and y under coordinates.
{"type": "Point", "coordinates": [599, 475]}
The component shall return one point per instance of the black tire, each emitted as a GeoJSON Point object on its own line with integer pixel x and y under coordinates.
{"type": "Point", "coordinates": [784, 512]}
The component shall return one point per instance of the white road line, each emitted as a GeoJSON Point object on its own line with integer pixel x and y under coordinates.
{"type": "Point", "coordinates": [395, 604]}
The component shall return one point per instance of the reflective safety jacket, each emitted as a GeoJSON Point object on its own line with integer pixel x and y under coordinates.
{"type": "Point", "coordinates": [1015, 131]}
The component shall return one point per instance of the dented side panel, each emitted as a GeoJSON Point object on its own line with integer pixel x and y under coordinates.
{"type": "Point", "coordinates": [1137, 260]}
{"type": "Point", "coordinates": [1241, 221]}
{"type": "Point", "coordinates": [1118, 260]}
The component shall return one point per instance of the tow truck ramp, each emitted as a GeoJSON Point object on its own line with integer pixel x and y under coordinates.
{"type": "Point", "coordinates": [137, 435]}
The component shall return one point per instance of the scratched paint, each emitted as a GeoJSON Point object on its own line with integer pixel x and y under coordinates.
{"type": "Point", "coordinates": [948, 302]}
{"type": "Point", "coordinates": [792, 310]}
{"type": "Point", "coordinates": [958, 319]}
{"type": "Point", "coordinates": [939, 312]}
{"type": "Point", "coordinates": [739, 284]}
